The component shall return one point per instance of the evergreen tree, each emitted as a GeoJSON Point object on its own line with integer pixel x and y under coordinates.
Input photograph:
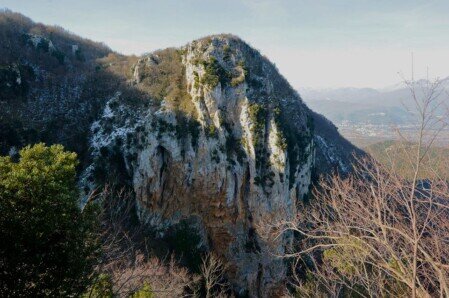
{"type": "Point", "coordinates": [47, 245]}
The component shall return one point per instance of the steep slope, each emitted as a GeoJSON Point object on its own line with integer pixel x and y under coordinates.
{"type": "Point", "coordinates": [51, 88]}
{"type": "Point", "coordinates": [209, 135]}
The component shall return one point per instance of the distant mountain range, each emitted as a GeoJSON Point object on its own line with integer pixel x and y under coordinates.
{"type": "Point", "coordinates": [391, 105]}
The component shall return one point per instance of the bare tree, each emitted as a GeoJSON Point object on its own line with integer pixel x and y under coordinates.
{"type": "Point", "coordinates": [212, 273]}
{"type": "Point", "coordinates": [376, 233]}
{"type": "Point", "coordinates": [126, 266]}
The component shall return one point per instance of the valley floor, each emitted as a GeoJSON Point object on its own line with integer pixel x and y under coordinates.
{"type": "Point", "coordinates": [363, 135]}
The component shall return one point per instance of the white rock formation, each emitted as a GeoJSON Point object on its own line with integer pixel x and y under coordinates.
{"type": "Point", "coordinates": [243, 160]}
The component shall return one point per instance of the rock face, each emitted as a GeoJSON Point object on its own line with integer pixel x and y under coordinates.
{"type": "Point", "coordinates": [209, 134]}
{"type": "Point", "coordinates": [230, 144]}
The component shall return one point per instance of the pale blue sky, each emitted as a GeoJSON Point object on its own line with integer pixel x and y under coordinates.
{"type": "Point", "coordinates": [315, 43]}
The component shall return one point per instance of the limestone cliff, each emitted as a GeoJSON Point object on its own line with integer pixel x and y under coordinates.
{"type": "Point", "coordinates": [224, 140]}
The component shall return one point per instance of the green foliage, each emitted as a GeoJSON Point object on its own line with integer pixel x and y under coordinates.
{"type": "Point", "coordinates": [194, 130]}
{"type": "Point", "coordinates": [346, 260]}
{"type": "Point", "coordinates": [211, 131]}
{"type": "Point", "coordinates": [281, 141]}
{"type": "Point", "coordinates": [188, 126]}
{"type": "Point", "coordinates": [50, 245]}
{"type": "Point", "coordinates": [226, 52]}
{"type": "Point", "coordinates": [258, 116]}
{"type": "Point", "coordinates": [164, 79]}
{"type": "Point", "coordinates": [101, 288]}
{"type": "Point", "coordinates": [196, 79]}
{"type": "Point", "coordinates": [165, 127]}
{"type": "Point", "coordinates": [346, 257]}
{"type": "Point", "coordinates": [234, 147]}
{"type": "Point", "coordinates": [243, 75]}
{"type": "Point", "coordinates": [293, 140]}
{"type": "Point", "coordinates": [184, 240]}
{"type": "Point", "coordinates": [214, 73]}
{"type": "Point", "coordinates": [144, 292]}
{"type": "Point", "coordinates": [243, 67]}
{"type": "Point", "coordinates": [196, 61]}
{"type": "Point", "coordinates": [338, 260]}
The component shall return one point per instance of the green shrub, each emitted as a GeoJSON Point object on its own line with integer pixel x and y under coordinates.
{"type": "Point", "coordinates": [234, 147]}
{"type": "Point", "coordinates": [226, 52]}
{"type": "Point", "coordinates": [187, 126]}
{"type": "Point", "coordinates": [144, 292]}
{"type": "Point", "coordinates": [258, 114]}
{"type": "Point", "coordinates": [165, 127]}
{"type": "Point", "coordinates": [293, 140]}
{"type": "Point", "coordinates": [101, 288]}
{"type": "Point", "coordinates": [242, 77]}
{"type": "Point", "coordinates": [194, 130]}
{"type": "Point", "coordinates": [214, 73]}
{"type": "Point", "coordinates": [196, 79]}
{"type": "Point", "coordinates": [212, 131]}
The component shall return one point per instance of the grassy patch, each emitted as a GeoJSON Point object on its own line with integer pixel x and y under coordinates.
{"type": "Point", "coordinates": [163, 78]}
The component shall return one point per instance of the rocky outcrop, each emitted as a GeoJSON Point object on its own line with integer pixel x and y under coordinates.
{"type": "Point", "coordinates": [209, 135]}
{"type": "Point", "coordinates": [230, 144]}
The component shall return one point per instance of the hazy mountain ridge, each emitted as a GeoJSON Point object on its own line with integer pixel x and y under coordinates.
{"type": "Point", "coordinates": [390, 105]}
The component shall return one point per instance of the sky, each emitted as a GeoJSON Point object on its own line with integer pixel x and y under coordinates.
{"type": "Point", "coordinates": [314, 43]}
